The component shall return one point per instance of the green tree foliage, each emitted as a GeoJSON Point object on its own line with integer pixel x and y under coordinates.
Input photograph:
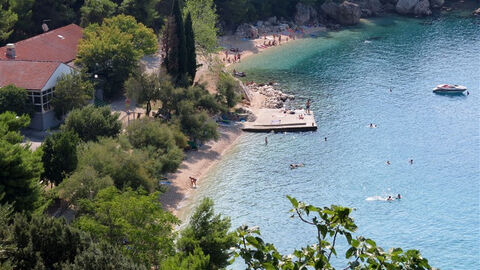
{"type": "Point", "coordinates": [228, 90]}
{"type": "Point", "coordinates": [189, 107]}
{"type": "Point", "coordinates": [59, 155]}
{"type": "Point", "coordinates": [41, 242]}
{"type": "Point", "coordinates": [196, 124]}
{"type": "Point", "coordinates": [102, 256]}
{"type": "Point", "coordinates": [112, 50]}
{"type": "Point", "coordinates": [131, 220]}
{"type": "Point", "coordinates": [190, 46]}
{"type": "Point", "coordinates": [8, 18]}
{"type": "Point", "coordinates": [55, 13]}
{"type": "Point", "coordinates": [204, 22]}
{"type": "Point", "coordinates": [143, 10]}
{"type": "Point", "coordinates": [162, 142]}
{"type": "Point", "coordinates": [90, 123]}
{"type": "Point", "coordinates": [94, 11]}
{"type": "Point", "coordinates": [330, 223]}
{"type": "Point", "coordinates": [234, 12]}
{"type": "Point", "coordinates": [147, 132]}
{"type": "Point", "coordinates": [175, 46]}
{"type": "Point", "coordinates": [72, 91]}
{"type": "Point", "coordinates": [143, 88]}
{"type": "Point", "coordinates": [10, 125]}
{"type": "Point", "coordinates": [191, 261]}
{"type": "Point", "coordinates": [24, 25]}
{"type": "Point", "coordinates": [20, 168]}
{"type": "Point", "coordinates": [210, 233]}
{"type": "Point", "coordinates": [14, 99]}
{"type": "Point", "coordinates": [85, 183]}
{"type": "Point", "coordinates": [125, 167]}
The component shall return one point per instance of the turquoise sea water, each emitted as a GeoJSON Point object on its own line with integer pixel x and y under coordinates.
{"type": "Point", "coordinates": [347, 75]}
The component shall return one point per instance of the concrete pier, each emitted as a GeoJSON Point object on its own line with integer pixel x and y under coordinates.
{"type": "Point", "coordinates": [277, 121]}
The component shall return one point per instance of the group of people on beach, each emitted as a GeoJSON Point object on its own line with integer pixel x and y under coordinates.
{"type": "Point", "coordinates": [237, 55]}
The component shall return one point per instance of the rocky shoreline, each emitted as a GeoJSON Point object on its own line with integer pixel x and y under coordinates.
{"type": "Point", "coordinates": [334, 14]}
{"type": "Point", "coordinates": [273, 98]}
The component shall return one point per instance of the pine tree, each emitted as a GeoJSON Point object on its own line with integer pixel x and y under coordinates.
{"type": "Point", "coordinates": [190, 44]}
{"type": "Point", "coordinates": [174, 46]}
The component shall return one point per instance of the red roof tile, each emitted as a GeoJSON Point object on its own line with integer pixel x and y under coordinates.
{"type": "Point", "coordinates": [59, 45]}
{"type": "Point", "coordinates": [26, 74]}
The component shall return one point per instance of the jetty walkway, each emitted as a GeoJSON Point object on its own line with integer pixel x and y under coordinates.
{"type": "Point", "coordinates": [277, 120]}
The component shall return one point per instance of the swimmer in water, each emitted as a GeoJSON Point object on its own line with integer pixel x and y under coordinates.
{"type": "Point", "coordinates": [389, 198]}
{"type": "Point", "coordinates": [411, 161]}
{"type": "Point", "coordinates": [399, 196]}
{"type": "Point", "coordinates": [388, 162]}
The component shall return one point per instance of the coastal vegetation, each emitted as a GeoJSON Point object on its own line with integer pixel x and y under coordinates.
{"type": "Point", "coordinates": [72, 91]}
{"type": "Point", "coordinates": [14, 99]}
{"type": "Point", "coordinates": [110, 177]}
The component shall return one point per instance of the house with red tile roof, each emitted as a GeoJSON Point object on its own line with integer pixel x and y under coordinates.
{"type": "Point", "coordinates": [36, 64]}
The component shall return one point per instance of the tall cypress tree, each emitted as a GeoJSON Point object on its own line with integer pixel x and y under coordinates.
{"type": "Point", "coordinates": [181, 48]}
{"type": "Point", "coordinates": [190, 44]}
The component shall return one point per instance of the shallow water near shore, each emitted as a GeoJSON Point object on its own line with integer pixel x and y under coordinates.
{"type": "Point", "coordinates": [348, 76]}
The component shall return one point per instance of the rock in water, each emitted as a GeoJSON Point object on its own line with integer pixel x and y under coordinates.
{"type": "Point", "coordinates": [437, 3]}
{"type": "Point", "coordinates": [305, 14]}
{"type": "Point", "coordinates": [349, 13]}
{"type": "Point", "coordinates": [422, 8]}
{"type": "Point", "coordinates": [476, 12]}
{"type": "Point", "coordinates": [406, 6]}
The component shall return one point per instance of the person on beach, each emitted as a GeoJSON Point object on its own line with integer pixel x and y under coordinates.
{"type": "Point", "coordinates": [193, 182]}
{"type": "Point", "coordinates": [307, 105]}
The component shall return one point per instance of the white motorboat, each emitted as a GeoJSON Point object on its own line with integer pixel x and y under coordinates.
{"type": "Point", "coordinates": [449, 88]}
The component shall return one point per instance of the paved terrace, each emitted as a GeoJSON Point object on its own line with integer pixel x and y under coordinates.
{"type": "Point", "coordinates": [277, 121]}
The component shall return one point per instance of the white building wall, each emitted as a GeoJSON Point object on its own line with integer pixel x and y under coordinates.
{"type": "Point", "coordinates": [61, 69]}
{"type": "Point", "coordinates": [46, 120]}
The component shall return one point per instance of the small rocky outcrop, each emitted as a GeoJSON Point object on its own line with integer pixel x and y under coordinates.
{"type": "Point", "coordinates": [436, 3]}
{"type": "Point", "coordinates": [247, 31]}
{"type": "Point", "coordinates": [476, 12]}
{"type": "Point", "coordinates": [347, 13]}
{"type": "Point", "coordinates": [274, 99]}
{"type": "Point", "coordinates": [305, 14]}
{"type": "Point", "coordinates": [330, 9]}
{"type": "Point", "coordinates": [406, 6]}
{"type": "Point", "coordinates": [422, 8]}
{"type": "Point", "coordinates": [369, 7]}
{"type": "Point", "coordinates": [415, 7]}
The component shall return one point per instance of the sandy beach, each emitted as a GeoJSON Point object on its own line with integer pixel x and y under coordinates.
{"type": "Point", "coordinates": [249, 47]}
{"type": "Point", "coordinates": [197, 163]}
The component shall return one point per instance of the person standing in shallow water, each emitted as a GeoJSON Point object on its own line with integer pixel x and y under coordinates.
{"type": "Point", "coordinates": [266, 140]}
